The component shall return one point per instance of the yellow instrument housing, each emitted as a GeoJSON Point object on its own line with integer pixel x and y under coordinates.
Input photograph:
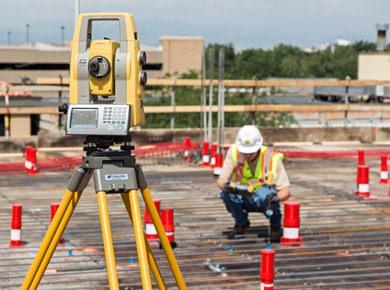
{"type": "Point", "coordinates": [124, 78]}
{"type": "Point", "coordinates": [104, 86]}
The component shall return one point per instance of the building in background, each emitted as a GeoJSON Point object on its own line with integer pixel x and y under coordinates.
{"type": "Point", "coordinates": [25, 64]}
{"type": "Point", "coordinates": [376, 66]}
{"type": "Point", "coordinates": [181, 54]}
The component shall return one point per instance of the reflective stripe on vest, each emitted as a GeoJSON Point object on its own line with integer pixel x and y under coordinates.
{"type": "Point", "coordinates": [265, 168]}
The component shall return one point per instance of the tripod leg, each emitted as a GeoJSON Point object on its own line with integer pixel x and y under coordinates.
{"type": "Point", "coordinates": [140, 240]}
{"type": "Point", "coordinates": [107, 240]}
{"type": "Point", "coordinates": [152, 262]}
{"type": "Point", "coordinates": [43, 256]}
{"type": "Point", "coordinates": [53, 245]}
{"type": "Point", "coordinates": [163, 239]}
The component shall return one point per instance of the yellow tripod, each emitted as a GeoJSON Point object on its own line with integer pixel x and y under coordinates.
{"type": "Point", "coordinates": [113, 172]}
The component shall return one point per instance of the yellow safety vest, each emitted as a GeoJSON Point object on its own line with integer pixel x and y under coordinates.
{"type": "Point", "coordinates": [265, 168]}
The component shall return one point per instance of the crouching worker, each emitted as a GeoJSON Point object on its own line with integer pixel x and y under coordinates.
{"type": "Point", "coordinates": [253, 179]}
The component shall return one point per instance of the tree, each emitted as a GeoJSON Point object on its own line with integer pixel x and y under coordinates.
{"type": "Point", "coordinates": [283, 61]}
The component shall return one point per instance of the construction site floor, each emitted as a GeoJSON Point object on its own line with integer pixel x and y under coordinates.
{"type": "Point", "coordinates": [346, 239]}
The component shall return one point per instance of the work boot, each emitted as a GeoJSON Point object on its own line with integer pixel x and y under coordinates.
{"type": "Point", "coordinates": [276, 234]}
{"type": "Point", "coordinates": [247, 225]}
{"type": "Point", "coordinates": [237, 230]}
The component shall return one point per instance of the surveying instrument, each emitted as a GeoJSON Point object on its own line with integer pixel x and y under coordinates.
{"type": "Point", "coordinates": [105, 101]}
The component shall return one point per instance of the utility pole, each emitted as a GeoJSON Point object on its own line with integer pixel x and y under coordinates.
{"type": "Point", "coordinates": [346, 100]}
{"type": "Point", "coordinates": [27, 33]}
{"type": "Point", "coordinates": [76, 10]}
{"type": "Point", "coordinates": [7, 117]}
{"type": "Point", "coordinates": [9, 38]}
{"type": "Point", "coordinates": [211, 76]}
{"type": "Point", "coordinates": [254, 100]}
{"type": "Point", "coordinates": [173, 103]}
{"type": "Point", "coordinates": [203, 114]}
{"type": "Point", "coordinates": [221, 98]}
{"type": "Point", "coordinates": [60, 102]}
{"type": "Point", "coordinates": [62, 35]}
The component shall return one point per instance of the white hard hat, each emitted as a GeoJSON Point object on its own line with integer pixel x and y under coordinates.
{"type": "Point", "coordinates": [249, 139]}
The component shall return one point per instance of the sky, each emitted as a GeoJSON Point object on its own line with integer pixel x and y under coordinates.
{"type": "Point", "coordinates": [244, 23]}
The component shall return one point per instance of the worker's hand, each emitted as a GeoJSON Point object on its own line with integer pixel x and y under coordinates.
{"type": "Point", "coordinates": [242, 189]}
{"type": "Point", "coordinates": [269, 203]}
{"type": "Point", "coordinates": [271, 199]}
{"type": "Point", "coordinates": [262, 194]}
{"type": "Point", "coordinates": [228, 189]}
{"type": "Point", "coordinates": [236, 189]}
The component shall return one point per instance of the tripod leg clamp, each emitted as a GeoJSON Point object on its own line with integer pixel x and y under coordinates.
{"type": "Point", "coordinates": [79, 179]}
{"type": "Point", "coordinates": [114, 179]}
{"type": "Point", "coordinates": [140, 177]}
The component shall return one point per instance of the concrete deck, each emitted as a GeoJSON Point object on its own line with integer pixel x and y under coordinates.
{"type": "Point", "coordinates": [346, 239]}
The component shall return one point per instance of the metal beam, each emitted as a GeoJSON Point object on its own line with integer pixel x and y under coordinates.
{"type": "Point", "coordinates": [228, 108]}
{"type": "Point", "coordinates": [244, 83]}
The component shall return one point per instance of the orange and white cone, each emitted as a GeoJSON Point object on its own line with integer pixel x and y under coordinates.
{"type": "Point", "coordinates": [16, 226]}
{"type": "Point", "coordinates": [363, 181]}
{"type": "Point", "coordinates": [168, 220]}
{"type": "Point", "coordinates": [53, 209]}
{"type": "Point", "coordinates": [267, 272]}
{"type": "Point", "coordinates": [214, 149]}
{"type": "Point", "coordinates": [187, 148]}
{"type": "Point", "coordinates": [30, 163]}
{"type": "Point", "coordinates": [205, 154]}
{"type": "Point", "coordinates": [291, 224]}
{"type": "Point", "coordinates": [384, 170]}
{"type": "Point", "coordinates": [27, 157]}
{"type": "Point", "coordinates": [361, 157]}
{"type": "Point", "coordinates": [218, 165]}
{"type": "Point", "coordinates": [150, 230]}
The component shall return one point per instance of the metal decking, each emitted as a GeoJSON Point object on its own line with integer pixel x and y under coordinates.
{"type": "Point", "coordinates": [346, 239]}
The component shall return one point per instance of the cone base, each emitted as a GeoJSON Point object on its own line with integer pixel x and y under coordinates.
{"type": "Point", "coordinates": [366, 196]}
{"type": "Point", "coordinates": [384, 181]}
{"type": "Point", "coordinates": [363, 194]}
{"type": "Point", "coordinates": [266, 286]}
{"type": "Point", "coordinates": [152, 238]}
{"type": "Point", "coordinates": [15, 244]}
{"type": "Point", "coordinates": [217, 171]}
{"type": "Point", "coordinates": [291, 242]}
{"type": "Point", "coordinates": [371, 197]}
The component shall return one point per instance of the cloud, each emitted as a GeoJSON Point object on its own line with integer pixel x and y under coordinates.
{"type": "Point", "coordinates": [244, 23]}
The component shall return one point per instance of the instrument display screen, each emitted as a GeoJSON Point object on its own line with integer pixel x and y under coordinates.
{"type": "Point", "coordinates": [98, 119]}
{"type": "Point", "coordinates": [84, 118]}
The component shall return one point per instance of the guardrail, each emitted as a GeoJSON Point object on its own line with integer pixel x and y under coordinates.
{"type": "Point", "coordinates": [240, 83]}
{"type": "Point", "coordinates": [228, 108]}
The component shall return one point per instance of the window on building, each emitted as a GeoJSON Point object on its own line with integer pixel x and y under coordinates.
{"type": "Point", "coordinates": [2, 129]}
{"type": "Point", "coordinates": [34, 124]}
